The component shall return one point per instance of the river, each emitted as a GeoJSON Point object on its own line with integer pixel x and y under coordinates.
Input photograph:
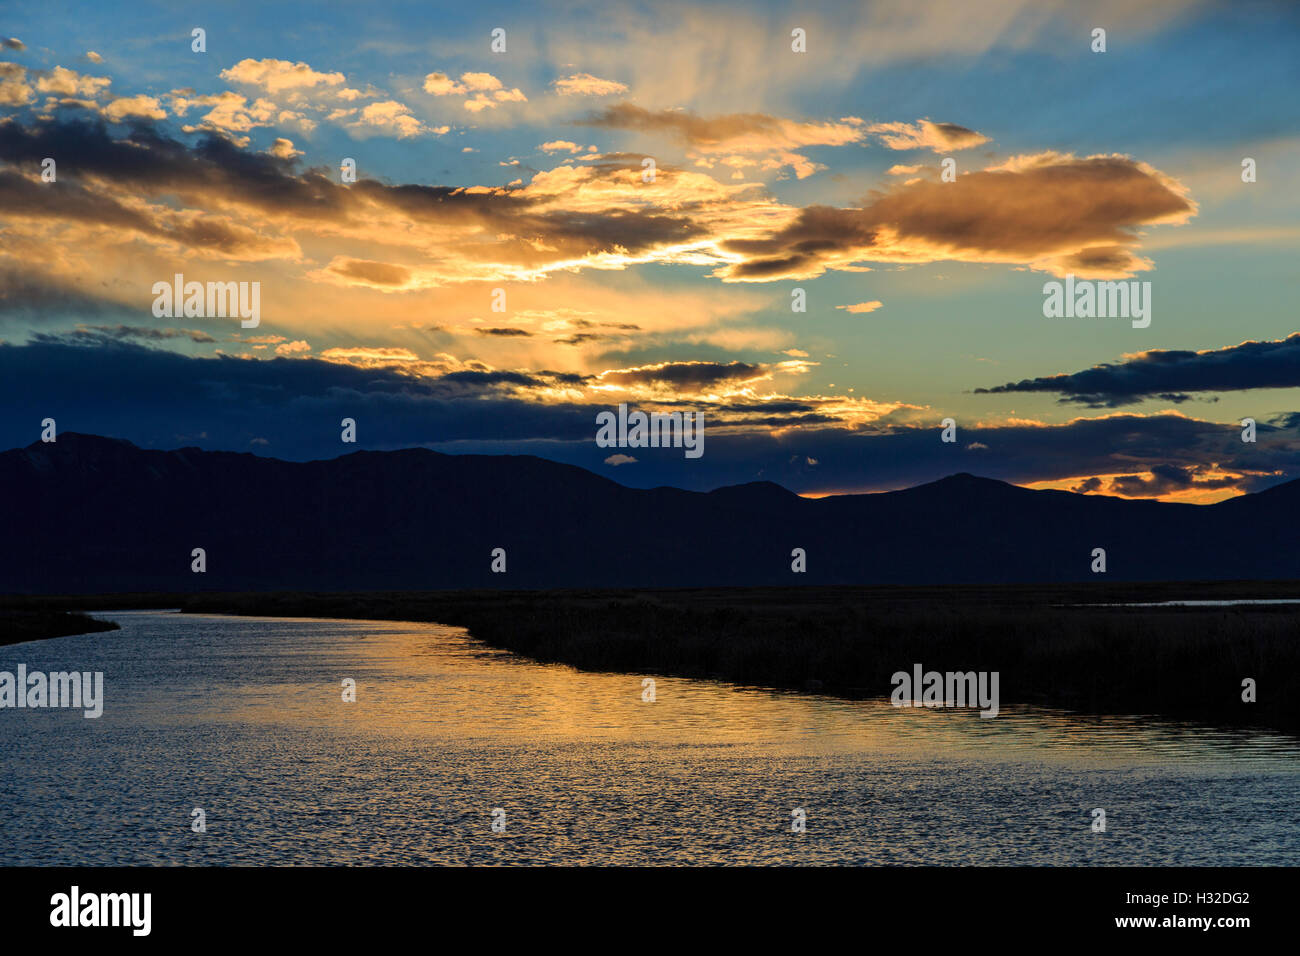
{"type": "Point", "coordinates": [244, 719]}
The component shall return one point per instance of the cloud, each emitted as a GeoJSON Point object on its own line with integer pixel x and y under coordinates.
{"type": "Point", "coordinates": [14, 88]}
{"type": "Point", "coordinates": [620, 459]}
{"type": "Point", "coordinates": [27, 294]}
{"type": "Point", "coordinates": [568, 218]}
{"type": "Point", "coordinates": [688, 377]}
{"type": "Point", "coordinates": [731, 138]}
{"type": "Point", "coordinates": [1048, 212]}
{"type": "Point", "coordinates": [89, 334]}
{"type": "Point", "coordinates": [211, 197]}
{"type": "Point", "coordinates": [278, 76]}
{"type": "Point", "coordinates": [380, 274]}
{"type": "Point", "coordinates": [1165, 479]}
{"type": "Point", "coordinates": [12, 43]}
{"type": "Point", "coordinates": [484, 91]}
{"type": "Point", "coordinates": [26, 199]}
{"type": "Point", "coordinates": [560, 146]}
{"type": "Point", "coordinates": [65, 82]}
{"type": "Point", "coordinates": [294, 94]}
{"type": "Point", "coordinates": [440, 84]}
{"type": "Point", "coordinates": [476, 82]}
{"type": "Point", "coordinates": [672, 53]}
{"type": "Point", "coordinates": [230, 111]}
{"type": "Point", "coordinates": [407, 400]}
{"type": "Point", "coordinates": [862, 307]}
{"type": "Point", "coordinates": [235, 400]}
{"type": "Point", "coordinates": [135, 107]}
{"type": "Point", "coordinates": [393, 118]}
{"type": "Point", "coordinates": [94, 57]}
{"type": "Point", "coordinates": [1172, 374]}
{"type": "Point", "coordinates": [923, 134]}
{"type": "Point", "coordinates": [584, 84]}
{"type": "Point", "coordinates": [284, 149]}
{"type": "Point", "coordinates": [366, 356]}
{"type": "Point", "coordinates": [482, 101]}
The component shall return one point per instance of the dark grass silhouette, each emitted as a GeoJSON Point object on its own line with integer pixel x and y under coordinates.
{"type": "Point", "coordinates": [17, 626]}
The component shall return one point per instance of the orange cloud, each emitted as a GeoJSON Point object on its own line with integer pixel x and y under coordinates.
{"type": "Point", "coordinates": [923, 134]}
{"type": "Point", "coordinates": [770, 142]}
{"type": "Point", "coordinates": [1052, 212]}
{"type": "Point", "coordinates": [584, 84]}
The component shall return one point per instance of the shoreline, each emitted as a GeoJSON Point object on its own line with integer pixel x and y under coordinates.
{"type": "Point", "coordinates": [18, 627]}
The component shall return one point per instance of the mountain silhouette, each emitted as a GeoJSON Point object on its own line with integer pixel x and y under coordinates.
{"type": "Point", "coordinates": [87, 514]}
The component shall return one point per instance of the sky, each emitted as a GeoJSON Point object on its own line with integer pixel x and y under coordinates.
{"type": "Point", "coordinates": [505, 264]}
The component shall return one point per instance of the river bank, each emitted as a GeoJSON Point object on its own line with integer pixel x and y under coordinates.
{"type": "Point", "coordinates": [17, 626]}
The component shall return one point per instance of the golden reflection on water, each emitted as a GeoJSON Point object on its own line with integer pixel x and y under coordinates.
{"type": "Point", "coordinates": [417, 679]}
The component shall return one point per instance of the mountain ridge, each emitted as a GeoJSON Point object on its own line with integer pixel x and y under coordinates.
{"type": "Point", "coordinates": [90, 513]}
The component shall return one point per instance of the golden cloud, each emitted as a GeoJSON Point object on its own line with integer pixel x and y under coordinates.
{"type": "Point", "coordinates": [1052, 212]}
{"type": "Point", "coordinates": [584, 84]}
{"type": "Point", "coordinates": [923, 134]}
{"type": "Point", "coordinates": [277, 76]}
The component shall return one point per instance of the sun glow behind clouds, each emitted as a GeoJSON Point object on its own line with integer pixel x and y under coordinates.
{"type": "Point", "coordinates": [526, 174]}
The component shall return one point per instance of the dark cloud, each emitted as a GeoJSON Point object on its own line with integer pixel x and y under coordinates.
{"type": "Point", "coordinates": [1165, 479]}
{"type": "Point", "coordinates": [27, 295]}
{"type": "Point", "coordinates": [1171, 375]}
{"type": "Point", "coordinates": [1009, 215]}
{"type": "Point", "coordinates": [957, 136]}
{"type": "Point", "coordinates": [150, 162]}
{"type": "Point", "coordinates": [688, 375]}
{"type": "Point", "coordinates": [68, 201]}
{"type": "Point", "coordinates": [924, 134]}
{"type": "Point", "coordinates": [505, 333]}
{"type": "Point", "coordinates": [860, 460]}
{"type": "Point", "coordinates": [1052, 211]}
{"type": "Point", "coordinates": [376, 273]}
{"type": "Point", "coordinates": [88, 334]}
{"type": "Point", "coordinates": [294, 405]}
{"type": "Point", "coordinates": [214, 172]}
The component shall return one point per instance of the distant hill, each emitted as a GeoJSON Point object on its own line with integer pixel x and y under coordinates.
{"type": "Point", "coordinates": [91, 514]}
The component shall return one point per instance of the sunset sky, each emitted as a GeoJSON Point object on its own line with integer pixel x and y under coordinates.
{"type": "Point", "coordinates": [774, 170]}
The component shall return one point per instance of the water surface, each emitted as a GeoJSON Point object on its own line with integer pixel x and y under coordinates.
{"type": "Point", "coordinates": [243, 717]}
